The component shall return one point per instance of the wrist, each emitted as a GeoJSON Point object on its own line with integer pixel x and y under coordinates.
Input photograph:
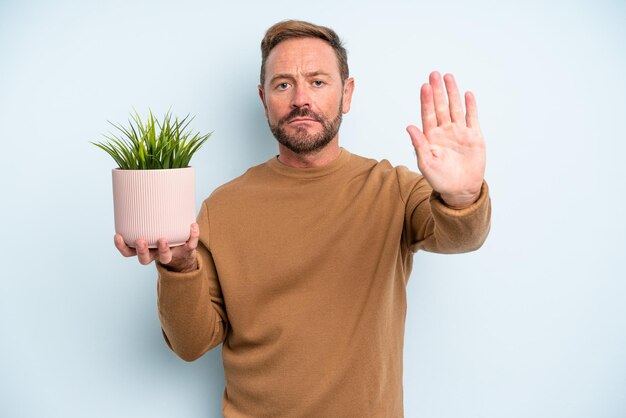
{"type": "Point", "coordinates": [182, 266]}
{"type": "Point", "coordinates": [187, 269]}
{"type": "Point", "coordinates": [461, 200]}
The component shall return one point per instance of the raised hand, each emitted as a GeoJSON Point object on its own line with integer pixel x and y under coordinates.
{"type": "Point", "coordinates": [181, 258]}
{"type": "Point", "coordinates": [451, 148]}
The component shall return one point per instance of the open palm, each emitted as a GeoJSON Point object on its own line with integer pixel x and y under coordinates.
{"type": "Point", "coordinates": [451, 148]}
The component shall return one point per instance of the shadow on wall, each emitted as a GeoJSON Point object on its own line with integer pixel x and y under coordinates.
{"type": "Point", "coordinates": [260, 144]}
{"type": "Point", "coordinates": [242, 137]}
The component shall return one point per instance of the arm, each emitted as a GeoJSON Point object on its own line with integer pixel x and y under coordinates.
{"type": "Point", "coordinates": [191, 305]}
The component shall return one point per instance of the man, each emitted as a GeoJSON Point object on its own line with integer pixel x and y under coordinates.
{"type": "Point", "coordinates": [299, 267]}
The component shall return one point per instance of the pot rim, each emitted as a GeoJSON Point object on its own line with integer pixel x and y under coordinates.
{"type": "Point", "coordinates": [151, 169]}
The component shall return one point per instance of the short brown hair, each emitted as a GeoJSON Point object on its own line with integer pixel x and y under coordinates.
{"type": "Point", "coordinates": [290, 29]}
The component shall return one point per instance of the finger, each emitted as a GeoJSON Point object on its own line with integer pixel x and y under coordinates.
{"type": "Point", "coordinates": [143, 252]}
{"type": "Point", "coordinates": [429, 119]}
{"type": "Point", "coordinates": [471, 117]}
{"type": "Point", "coordinates": [421, 145]}
{"type": "Point", "coordinates": [454, 97]}
{"type": "Point", "coordinates": [441, 104]}
{"type": "Point", "coordinates": [124, 249]}
{"type": "Point", "coordinates": [165, 253]}
{"type": "Point", "coordinates": [194, 235]}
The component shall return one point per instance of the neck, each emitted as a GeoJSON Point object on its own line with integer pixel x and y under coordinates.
{"type": "Point", "coordinates": [322, 157]}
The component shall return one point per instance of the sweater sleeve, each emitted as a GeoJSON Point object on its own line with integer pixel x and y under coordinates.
{"type": "Point", "coordinates": [191, 306]}
{"type": "Point", "coordinates": [431, 225]}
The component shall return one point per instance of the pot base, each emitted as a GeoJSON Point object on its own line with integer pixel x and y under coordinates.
{"type": "Point", "coordinates": [154, 245]}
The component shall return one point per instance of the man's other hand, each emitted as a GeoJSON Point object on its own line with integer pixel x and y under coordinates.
{"type": "Point", "coordinates": [181, 258]}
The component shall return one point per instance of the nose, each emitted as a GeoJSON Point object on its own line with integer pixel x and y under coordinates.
{"type": "Point", "coordinates": [301, 97]}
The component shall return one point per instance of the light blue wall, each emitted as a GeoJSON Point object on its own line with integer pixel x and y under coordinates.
{"type": "Point", "coordinates": [532, 325]}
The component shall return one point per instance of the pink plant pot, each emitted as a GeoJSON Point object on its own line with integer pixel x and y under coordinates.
{"type": "Point", "coordinates": [150, 204]}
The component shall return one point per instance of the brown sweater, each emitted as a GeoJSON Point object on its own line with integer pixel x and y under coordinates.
{"type": "Point", "coordinates": [302, 275]}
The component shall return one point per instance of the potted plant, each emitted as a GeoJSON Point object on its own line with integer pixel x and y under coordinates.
{"type": "Point", "coordinates": [153, 185]}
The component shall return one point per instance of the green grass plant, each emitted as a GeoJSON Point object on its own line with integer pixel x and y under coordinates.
{"type": "Point", "coordinates": [153, 144]}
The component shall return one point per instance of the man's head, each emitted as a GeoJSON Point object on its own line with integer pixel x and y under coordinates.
{"type": "Point", "coordinates": [297, 29]}
{"type": "Point", "coordinates": [305, 86]}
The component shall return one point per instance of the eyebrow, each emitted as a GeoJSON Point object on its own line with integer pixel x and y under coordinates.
{"type": "Point", "coordinates": [291, 77]}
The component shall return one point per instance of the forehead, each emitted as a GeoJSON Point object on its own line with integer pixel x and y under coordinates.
{"type": "Point", "coordinates": [302, 55]}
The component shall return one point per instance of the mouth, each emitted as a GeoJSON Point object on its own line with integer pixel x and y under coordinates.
{"type": "Point", "coordinates": [298, 120]}
{"type": "Point", "coordinates": [300, 116]}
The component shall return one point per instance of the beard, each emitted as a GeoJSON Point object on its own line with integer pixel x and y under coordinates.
{"type": "Point", "coordinates": [301, 142]}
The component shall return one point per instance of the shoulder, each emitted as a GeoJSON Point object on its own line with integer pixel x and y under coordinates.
{"type": "Point", "coordinates": [382, 177]}
{"type": "Point", "coordinates": [409, 184]}
{"type": "Point", "coordinates": [239, 186]}
{"type": "Point", "coordinates": [384, 169]}
{"type": "Point", "coordinates": [366, 164]}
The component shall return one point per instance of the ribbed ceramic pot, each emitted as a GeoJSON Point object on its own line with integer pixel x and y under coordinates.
{"type": "Point", "coordinates": [150, 204]}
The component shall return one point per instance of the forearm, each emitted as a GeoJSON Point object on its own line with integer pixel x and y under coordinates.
{"type": "Point", "coordinates": [191, 310]}
{"type": "Point", "coordinates": [452, 230]}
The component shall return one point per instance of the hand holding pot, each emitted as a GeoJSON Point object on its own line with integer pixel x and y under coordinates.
{"type": "Point", "coordinates": [181, 258]}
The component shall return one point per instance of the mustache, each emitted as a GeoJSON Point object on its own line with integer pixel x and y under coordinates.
{"type": "Point", "coordinates": [301, 112]}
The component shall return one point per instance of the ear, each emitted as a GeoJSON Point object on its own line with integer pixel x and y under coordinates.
{"type": "Point", "coordinates": [262, 96]}
{"type": "Point", "coordinates": [348, 89]}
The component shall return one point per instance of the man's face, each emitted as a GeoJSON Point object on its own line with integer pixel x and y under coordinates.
{"type": "Point", "coordinates": [303, 96]}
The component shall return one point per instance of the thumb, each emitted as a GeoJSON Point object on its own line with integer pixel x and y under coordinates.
{"type": "Point", "coordinates": [420, 143]}
{"type": "Point", "coordinates": [194, 235]}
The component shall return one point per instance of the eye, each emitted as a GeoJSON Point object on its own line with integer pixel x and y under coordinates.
{"type": "Point", "coordinates": [282, 86]}
{"type": "Point", "coordinates": [318, 83]}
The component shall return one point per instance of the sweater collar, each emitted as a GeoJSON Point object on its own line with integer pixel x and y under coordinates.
{"type": "Point", "coordinates": [313, 172]}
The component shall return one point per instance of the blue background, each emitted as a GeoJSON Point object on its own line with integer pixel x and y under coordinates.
{"type": "Point", "coordinates": [532, 325]}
